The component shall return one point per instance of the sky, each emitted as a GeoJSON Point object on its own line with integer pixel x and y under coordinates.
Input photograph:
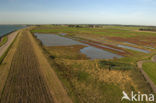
{"type": "Point", "coordinates": [129, 12]}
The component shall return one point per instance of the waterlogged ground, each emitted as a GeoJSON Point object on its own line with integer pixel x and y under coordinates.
{"type": "Point", "coordinates": [95, 53]}
{"type": "Point", "coordinates": [133, 48]}
{"type": "Point", "coordinates": [55, 40]}
{"type": "Point", "coordinates": [96, 81]}
{"type": "Point", "coordinates": [89, 51]}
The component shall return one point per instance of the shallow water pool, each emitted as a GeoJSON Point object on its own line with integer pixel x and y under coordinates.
{"type": "Point", "coordinates": [132, 48]}
{"type": "Point", "coordinates": [89, 51]}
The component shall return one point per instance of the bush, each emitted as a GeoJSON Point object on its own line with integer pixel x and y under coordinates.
{"type": "Point", "coordinates": [116, 65]}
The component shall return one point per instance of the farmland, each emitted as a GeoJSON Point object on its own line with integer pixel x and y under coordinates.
{"type": "Point", "coordinates": [110, 31]}
{"type": "Point", "coordinates": [98, 80]}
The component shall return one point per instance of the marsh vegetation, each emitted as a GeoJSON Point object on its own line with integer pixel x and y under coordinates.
{"type": "Point", "coordinates": [97, 80]}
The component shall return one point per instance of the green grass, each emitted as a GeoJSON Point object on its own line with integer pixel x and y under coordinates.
{"type": "Point", "coordinates": [135, 57]}
{"type": "Point", "coordinates": [3, 41]}
{"type": "Point", "coordinates": [106, 31]}
{"type": "Point", "coordinates": [82, 76]}
{"type": "Point", "coordinates": [123, 27]}
{"type": "Point", "coordinates": [111, 92]}
{"type": "Point", "coordinates": [116, 65]}
{"type": "Point", "coordinates": [150, 69]}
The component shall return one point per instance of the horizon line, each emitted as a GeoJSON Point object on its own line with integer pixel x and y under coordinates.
{"type": "Point", "coordinates": [79, 24]}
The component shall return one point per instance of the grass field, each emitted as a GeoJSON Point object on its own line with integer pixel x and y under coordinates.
{"type": "Point", "coordinates": [106, 31]}
{"type": "Point", "coordinates": [108, 34]}
{"type": "Point", "coordinates": [150, 69]}
{"type": "Point", "coordinates": [3, 40]}
{"type": "Point", "coordinates": [25, 82]}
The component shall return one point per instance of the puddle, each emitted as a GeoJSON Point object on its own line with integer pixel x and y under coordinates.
{"type": "Point", "coordinates": [89, 51]}
{"type": "Point", "coordinates": [95, 53]}
{"type": "Point", "coordinates": [110, 48]}
{"type": "Point", "coordinates": [63, 34]}
{"type": "Point", "coordinates": [130, 43]}
{"type": "Point", "coordinates": [55, 40]}
{"type": "Point", "coordinates": [106, 47]}
{"type": "Point", "coordinates": [132, 48]}
{"type": "Point", "coordinates": [137, 45]}
{"type": "Point", "coordinates": [149, 47]}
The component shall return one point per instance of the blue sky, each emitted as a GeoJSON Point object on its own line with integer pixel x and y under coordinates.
{"type": "Point", "coordinates": [135, 12]}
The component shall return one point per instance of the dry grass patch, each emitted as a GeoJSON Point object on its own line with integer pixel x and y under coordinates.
{"type": "Point", "coordinates": [67, 52]}
{"type": "Point", "coordinates": [87, 82]}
